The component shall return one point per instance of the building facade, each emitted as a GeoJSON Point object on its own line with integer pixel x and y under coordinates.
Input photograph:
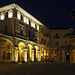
{"type": "Point", "coordinates": [62, 45]}
{"type": "Point", "coordinates": [22, 37]}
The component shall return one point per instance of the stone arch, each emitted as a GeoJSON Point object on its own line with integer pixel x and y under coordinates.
{"type": "Point", "coordinates": [6, 46]}
{"type": "Point", "coordinates": [29, 52]}
{"type": "Point", "coordinates": [22, 43]}
{"type": "Point", "coordinates": [21, 47]}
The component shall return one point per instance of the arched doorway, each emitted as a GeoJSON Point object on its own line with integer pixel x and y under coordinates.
{"type": "Point", "coordinates": [6, 54]}
{"type": "Point", "coordinates": [36, 53]}
{"type": "Point", "coordinates": [29, 53]}
{"type": "Point", "coordinates": [21, 55]}
{"type": "Point", "coordinates": [67, 56]}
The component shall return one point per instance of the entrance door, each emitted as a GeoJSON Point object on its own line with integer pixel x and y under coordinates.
{"type": "Point", "coordinates": [67, 57]}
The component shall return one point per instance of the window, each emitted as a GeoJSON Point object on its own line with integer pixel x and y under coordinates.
{"type": "Point", "coordinates": [10, 14]}
{"type": "Point", "coordinates": [8, 56]}
{"type": "Point", "coordinates": [2, 16]}
{"type": "Point", "coordinates": [37, 27]}
{"type": "Point", "coordinates": [4, 54]}
{"type": "Point", "coordinates": [65, 41]}
{"type": "Point", "coordinates": [27, 21]}
{"type": "Point", "coordinates": [18, 15]}
{"type": "Point", "coordinates": [8, 47]}
{"type": "Point", "coordinates": [24, 19]}
{"type": "Point", "coordinates": [33, 24]}
{"type": "Point", "coordinates": [56, 43]}
{"type": "Point", "coordinates": [45, 41]}
{"type": "Point", "coordinates": [42, 40]}
{"type": "Point", "coordinates": [56, 35]}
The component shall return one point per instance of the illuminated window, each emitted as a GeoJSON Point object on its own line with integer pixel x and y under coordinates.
{"type": "Point", "coordinates": [37, 27]}
{"type": "Point", "coordinates": [2, 16]}
{"type": "Point", "coordinates": [10, 14]}
{"type": "Point", "coordinates": [27, 21]}
{"type": "Point", "coordinates": [24, 19]}
{"type": "Point", "coordinates": [18, 15]}
{"type": "Point", "coordinates": [32, 23]}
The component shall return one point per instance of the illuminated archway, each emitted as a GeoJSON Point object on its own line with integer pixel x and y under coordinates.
{"type": "Point", "coordinates": [6, 50]}
{"type": "Point", "coordinates": [21, 46]}
{"type": "Point", "coordinates": [29, 52]}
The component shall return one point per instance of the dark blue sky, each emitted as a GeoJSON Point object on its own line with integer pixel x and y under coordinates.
{"type": "Point", "coordinates": [52, 13]}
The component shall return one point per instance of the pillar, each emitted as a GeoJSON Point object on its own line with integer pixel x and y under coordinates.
{"type": "Point", "coordinates": [39, 56]}
{"type": "Point", "coordinates": [25, 55]}
{"type": "Point", "coordinates": [16, 54]}
{"type": "Point", "coordinates": [32, 55]}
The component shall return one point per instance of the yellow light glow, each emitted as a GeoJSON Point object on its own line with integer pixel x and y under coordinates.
{"type": "Point", "coordinates": [25, 19]}
{"type": "Point", "coordinates": [44, 52]}
{"type": "Point", "coordinates": [20, 47]}
{"type": "Point", "coordinates": [10, 14]}
{"type": "Point", "coordinates": [18, 15]}
{"type": "Point", "coordinates": [37, 27]}
{"type": "Point", "coordinates": [2, 16]}
{"type": "Point", "coordinates": [34, 25]}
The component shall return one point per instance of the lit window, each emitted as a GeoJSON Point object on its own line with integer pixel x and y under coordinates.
{"type": "Point", "coordinates": [2, 16]}
{"type": "Point", "coordinates": [27, 21]}
{"type": "Point", "coordinates": [34, 25]}
{"type": "Point", "coordinates": [37, 27]}
{"type": "Point", "coordinates": [18, 15]}
{"type": "Point", "coordinates": [10, 14]}
{"type": "Point", "coordinates": [24, 19]}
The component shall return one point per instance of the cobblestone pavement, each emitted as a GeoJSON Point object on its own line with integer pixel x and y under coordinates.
{"type": "Point", "coordinates": [38, 69]}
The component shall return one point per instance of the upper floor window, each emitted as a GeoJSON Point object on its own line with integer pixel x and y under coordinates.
{"type": "Point", "coordinates": [18, 15]}
{"type": "Point", "coordinates": [65, 41]}
{"type": "Point", "coordinates": [27, 21]}
{"type": "Point", "coordinates": [33, 24]}
{"type": "Point", "coordinates": [56, 43]}
{"type": "Point", "coordinates": [21, 31]}
{"type": "Point", "coordinates": [10, 14]}
{"type": "Point", "coordinates": [37, 27]}
{"type": "Point", "coordinates": [42, 40]}
{"type": "Point", "coordinates": [56, 35]}
{"type": "Point", "coordinates": [24, 19]}
{"type": "Point", "coordinates": [2, 16]}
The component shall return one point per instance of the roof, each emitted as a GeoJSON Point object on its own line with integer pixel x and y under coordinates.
{"type": "Point", "coordinates": [7, 7]}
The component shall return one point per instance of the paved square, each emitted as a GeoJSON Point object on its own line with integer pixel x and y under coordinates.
{"type": "Point", "coordinates": [38, 69]}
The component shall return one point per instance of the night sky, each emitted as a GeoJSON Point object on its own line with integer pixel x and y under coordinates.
{"type": "Point", "coordinates": [52, 13]}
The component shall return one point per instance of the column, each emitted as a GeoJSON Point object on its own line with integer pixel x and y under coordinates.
{"type": "Point", "coordinates": [25, 55]}
{"type": "Point", "coordinates": [32, 55]}
{"type": "Point", "coordinates": [63, 56]}
{"type": "Point", "coordinates": [39, 56]}
{"type": "Point", "coordinates": [16, 54]}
